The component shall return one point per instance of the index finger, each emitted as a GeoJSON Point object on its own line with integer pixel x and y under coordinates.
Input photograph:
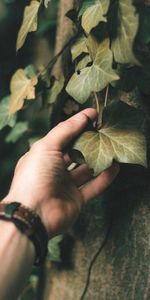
{"type": "Point", "coordinates": [64, 132]}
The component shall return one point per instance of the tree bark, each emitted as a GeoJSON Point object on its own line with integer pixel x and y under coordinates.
{"type": "Point", "coordinates": [64, 32]}
{"type": "Point", "coordinates": [120, 223]}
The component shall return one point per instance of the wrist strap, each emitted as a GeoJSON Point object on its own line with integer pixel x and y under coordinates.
{"type": "Point", "coordinates": [30, 224]}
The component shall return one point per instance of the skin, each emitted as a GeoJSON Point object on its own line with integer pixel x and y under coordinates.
{"type": "Point", "coordinates": [41, 181]}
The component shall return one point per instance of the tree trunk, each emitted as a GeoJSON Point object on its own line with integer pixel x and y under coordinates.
{"type": "Point", "coordinates": [118, 227]}
{"type": "Point", "coordinates": [64, 32]}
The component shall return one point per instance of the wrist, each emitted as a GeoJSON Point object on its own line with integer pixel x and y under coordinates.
{"type": "Point", "coordinates": [29, 223]}
{"type": "Point", "coordinates": [24, 200]}
{"type": "Point", "coordinates": [30, 203]}
{"type": "Point", "coordinates": [49, 214]}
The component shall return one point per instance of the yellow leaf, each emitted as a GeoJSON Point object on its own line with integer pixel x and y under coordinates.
{"type": "Point", "coordinates": [122, 46]}
{"type": "Point", "coordinates": [56, 89]}
{"type": "Point", "coordinates": [21, 88]}
{"type": "Point", "coordinates": [83, 63]}
{"type": "Point", "coordinates": [29, 23]}
{"type": "Point", "coordinates": [99, 149]}
{"type": "Point", "coordinates": [94, 15]}
{"type": "Point", "coordinates": [120, 138]}
{"type": "Point", "coordinates": [79, 47]}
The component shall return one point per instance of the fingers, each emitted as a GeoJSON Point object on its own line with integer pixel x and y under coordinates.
{"type": "Point", "coordinates": [64, 132]}
{"type": "Point", "coordinates": [97, 186]}
{"type": "Point", "coordinates": [81, 175]}
{"type": "Point", "coordinates": [67, 160]}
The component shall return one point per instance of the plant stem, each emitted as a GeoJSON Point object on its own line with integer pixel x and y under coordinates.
{"type": "Point", "coordinates": [106, 96]}
{"type": "Point", "coordinates": [97, 103]}
{"type": "Point", "coordinates": [99, 109]}
{"type": "Point", "coordinates": [54, 59]}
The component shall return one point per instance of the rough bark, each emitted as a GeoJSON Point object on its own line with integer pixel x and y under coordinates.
{"type": "Point", "coordinates": [64, 32]}
{"type": "Point", "coordinates": [122, 269]}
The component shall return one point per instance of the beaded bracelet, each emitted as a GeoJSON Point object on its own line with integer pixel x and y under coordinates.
{"type": "Point", "coordinates": [30, 224]}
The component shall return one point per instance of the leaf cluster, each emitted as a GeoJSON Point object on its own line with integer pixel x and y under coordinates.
{"type": "Point", "coordinates": [104, 63]}
{"type": "Point", "coordinates": [110, 70]}
{"type": "Point", "coordinates": [105, 57]}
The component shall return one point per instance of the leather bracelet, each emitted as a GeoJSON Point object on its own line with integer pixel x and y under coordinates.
{"type": "Point", "coordinates": [30, 224]}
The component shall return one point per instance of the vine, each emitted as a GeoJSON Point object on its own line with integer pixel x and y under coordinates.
{"type": "Point", "coordinates": [110, 61]}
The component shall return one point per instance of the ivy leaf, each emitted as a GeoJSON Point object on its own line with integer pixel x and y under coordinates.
{"type": "Point", "coordinates": [29, 23]}
{"type": "Point", "coordinates": [83, 63]}
{"type": "Point", "coordinates": [4, 118]}
{"type": "Point", "coordinates": [79, 47]}
{"type": "Point", "coordinates": [56, 90]}
{"type": "Point", "coordinates": [130, 98]}
{"type": "Point", "coordinates": [144, 30]}
{"type": "Point", "coordinates": [119, 139]}
{"type": "Point", "coordinates": [54, 253]}
{"type": "Point", "coordinates": [34, 279]}
{"type": "Point", "coordinates": [94, 15]}
{"type": "Point", "coordinates": [21, 88]}
{"type": "Point", "coordinates": [85, 5]}
{"type": "Point", "coordinates": [30, 71]}
{"type": "Point", "coordinates": [16, 132]}
{"type": "Point", "coordinates": [122, 46]}
{"type": "Point", "coordinates": [46, 2]}
{"type": "Point", "coordinates": [128, 77]}
{"type": "Point", "coordinates": [71, 107]}
{"type": "Point", "coordinates": [94, 78]}
{"type": "Point", "coordinates": [143, 79]}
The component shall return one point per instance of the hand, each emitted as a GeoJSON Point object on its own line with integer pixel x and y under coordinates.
{"type": "Point", "coordinates": [41, 180]}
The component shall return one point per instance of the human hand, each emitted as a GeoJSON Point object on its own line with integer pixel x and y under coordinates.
{"type": "Point", "coordinates": [41, 180]}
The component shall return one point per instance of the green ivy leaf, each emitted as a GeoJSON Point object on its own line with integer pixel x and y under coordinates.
{"type": "Point", "coordinates": [122, 46]}
{"type": "Point", "coordinates": [78, 48]}
{"type": "Point", "coordinates": [34, 279]}
{"type": "Point", "coordinates": [94, 15]}
{"type": "Point", "coordinates": [144, 30]}
{"type": "Point", "coordinates": [30, 71]}
{"type": "Point", "coordinates": [17, 132]}
{"type": "Point", "coordinates": [83, 63]}
{"type": "Point", "coordinates": [86, 4]}
{"type": "Point", "coordinates": [128, 77]}
{"type": "Point", "coordinates": [4, 109]}
{"type": "Point", "coordinates": [93, 78]}
{"type": "Point", "coordinates": [54, 249]}
{"type": "Point", "coordinates": [46, 2]}
{"type": "Point", "coordinates": [119, 139]}
{"type": "Point", "coordinates": [143, 79]}
{"type": "Point", "coordinates": [56, 90]}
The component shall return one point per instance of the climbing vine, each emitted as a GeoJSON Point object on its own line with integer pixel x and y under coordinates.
{"type": "Point", "coordinates": [109, 69]}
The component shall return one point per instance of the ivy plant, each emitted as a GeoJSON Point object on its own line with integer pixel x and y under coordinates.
{"type": "Point", "coordinates": [109, 70]}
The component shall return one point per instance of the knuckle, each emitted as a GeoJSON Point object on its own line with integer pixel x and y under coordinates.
{"type": "Point", "coordinates": [71, 123]}
{"type": "Point", "coordinates": [60, 124]}
{"type": "Point", "coordinates": [20, 161]}
{"type": "Point", "coordinates": [37, 146]}
{"type": "Point", "coordinates": [81, 119]}
{"type": "Point", "coordinates": [18, 164]}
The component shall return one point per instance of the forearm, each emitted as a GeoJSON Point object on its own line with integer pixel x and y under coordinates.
{"type": "Point", "coordinates": [17, 256]}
